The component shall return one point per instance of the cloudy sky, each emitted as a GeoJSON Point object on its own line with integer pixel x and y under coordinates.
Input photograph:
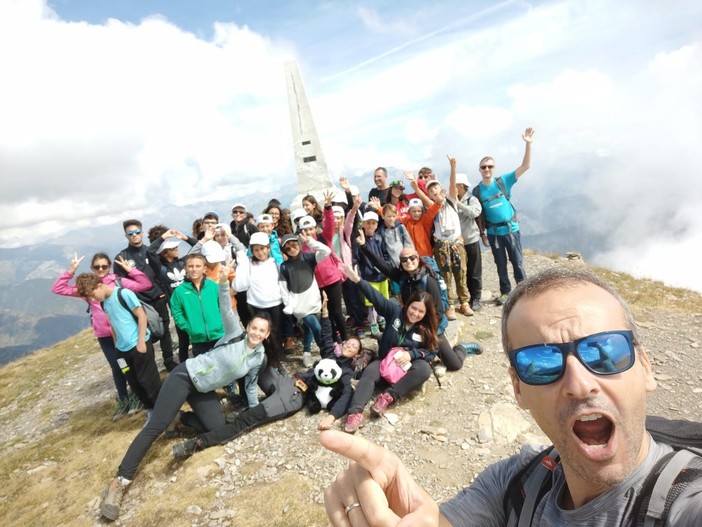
{"type": "Point", "coordinates": [111, 109]}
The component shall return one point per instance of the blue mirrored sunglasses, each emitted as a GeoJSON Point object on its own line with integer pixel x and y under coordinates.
{"type": "Point", "coordinates": [606, 353]}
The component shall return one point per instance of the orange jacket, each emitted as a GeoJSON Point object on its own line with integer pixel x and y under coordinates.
{"type": "Point", "coordinates": [420, 230]}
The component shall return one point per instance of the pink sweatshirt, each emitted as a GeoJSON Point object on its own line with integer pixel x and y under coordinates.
{"type": "Point", "coordinates": [327, 271]}
{"type": "Point", "coordinates": [137, 282]}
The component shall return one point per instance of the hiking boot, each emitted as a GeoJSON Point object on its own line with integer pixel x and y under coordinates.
{"type": "Point", "coordinates": [475, 305]}
{"type": "Point", "coordinates": [288, 343]}
{"type": "Point", "coordinates": [466, 310]}
{"type": "Point", "coordinates": [451, 313]}
{"type": "Point", "coordinates": [469, 348]}
{"type": "Point", "coordinates": [381, 403]}
{"type": "Point", "coordinates": [375, 331]}
{"type": "Point", "coordinates": [500, 300]}
{"type": "Point", "coordinates": [135, 404]}
{"type": "Point", "coordinates": [121, 408]}
{"type": "Point", "coordinates": [353, 422]}
{"type": "Point", "coordinates": [112, 498]}
{"type": "Point", "coordinates": [307, 361]}
{"type": "Point", "coordinates": [187, 448]}
{"type": "Point", "coordinates": [360, 332]}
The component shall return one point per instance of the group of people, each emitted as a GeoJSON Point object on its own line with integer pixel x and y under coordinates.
{"type": "Point", "coordinates": [326, 273]}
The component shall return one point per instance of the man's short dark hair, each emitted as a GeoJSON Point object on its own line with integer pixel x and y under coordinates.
{"type": "Point", "coordinates": [385, 170]}
{"type": "Point", "coordinates": [559, 278]}
{"type": "Point", "coordinates": [127, 223]}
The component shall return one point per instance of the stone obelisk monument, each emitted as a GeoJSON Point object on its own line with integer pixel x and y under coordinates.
{"type": "Point", "coordinates": [312, 172]}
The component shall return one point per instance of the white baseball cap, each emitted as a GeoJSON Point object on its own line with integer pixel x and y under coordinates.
{"type": "Point", "coordinates": [264, 218]}
{"type": "Point", "coordinates": [415, 202]}
{"type": "Point", "coordinates": [170, 243]}
{"type": "Point", "coordinates": [297, 214]}
{"type": "Point", "coordinates": [338, 211]}
{"type": "Point", "coordinates": [307, 222]}
{"type": "Point", "coordinates": [370, 215]}
{"type": "Point", "coordinates": [259, 238]}
{"type": "Point", "coordinates": [213, 252]}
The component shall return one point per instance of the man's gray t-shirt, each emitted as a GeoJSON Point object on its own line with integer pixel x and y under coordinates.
{"type": "Point", "coordinates": [481, 504]}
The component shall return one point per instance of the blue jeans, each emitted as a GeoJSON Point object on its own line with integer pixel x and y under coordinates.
{"type": "Point", "coordinates": [504, 247]}
{"type": "Point", "coordinates": [312, 329]}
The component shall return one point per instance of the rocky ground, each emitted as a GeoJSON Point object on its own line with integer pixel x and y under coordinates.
{"type": "Point", "coordinates": [446, 434]}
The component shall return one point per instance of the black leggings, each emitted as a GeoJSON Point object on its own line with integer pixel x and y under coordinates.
{"type": "Point", "coordinates": [177, 389]}
{"type": "Point", "coordinates": [452, 358]}
{"type": "Point", "coordinates": [336, 313]}
{"type": "Point", "coordinates": [283, 399]}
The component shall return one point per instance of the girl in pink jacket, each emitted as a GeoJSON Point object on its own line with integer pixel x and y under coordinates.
{"type": "Point", "coordinates": [328, 273]}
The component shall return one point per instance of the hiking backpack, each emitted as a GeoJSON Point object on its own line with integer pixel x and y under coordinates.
{"type": "Point", "coordinates": [481, 220]}
{"type": "Point", "coordinates": [154, 321]}
{"type": "Point", "coordinates": [662, 486]}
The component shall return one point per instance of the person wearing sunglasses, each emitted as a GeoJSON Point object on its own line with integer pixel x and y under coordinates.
{"type": "Point", "coordinates": [577, 364]}
{"type": "Point", "coordinates": [137, 254]}
{"type": "Point", "coordinates": [410, 336]}
{"type": "Point", "coordinates": [135, 281]}
{"type": "Point", "coordinates": [415, 273]}
{"type": "Point", "coordinates": [469, 209]}
{"type": "Point", "coordinates": [499, 228]}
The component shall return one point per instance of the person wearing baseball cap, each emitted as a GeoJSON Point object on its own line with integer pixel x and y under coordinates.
{"type": "Point", "coordinates": [449, 253]}
{"type": "Point", "coordinates": [417, 222]}
{"type": "Point", "coordinates": [259, 276]}
{"type": "Point", "coordinates": [264, 224]}
{"type": "Point", "coordinates": [369, 236]}
{"type": "Point", "coordinates": [469, 209]}
{"type": "Point", "coordinates": [303, 299]}
{"type": "Point", "coordinates": [397, 197]}
{"type": "Point", "coordinates": [241, 228]}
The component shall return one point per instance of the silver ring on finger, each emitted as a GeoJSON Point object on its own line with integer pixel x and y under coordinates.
{"type": "Point", "coordinates": [351, 507]}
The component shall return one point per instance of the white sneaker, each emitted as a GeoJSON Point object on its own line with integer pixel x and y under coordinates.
{"type": "Point", "coordinates": [307, 361]}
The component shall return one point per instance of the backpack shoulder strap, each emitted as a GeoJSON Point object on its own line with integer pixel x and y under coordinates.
{"type": "Point", "coordinates": [123, 302]}
{"type": "Point", "coordinates": [528, 486]}
{"type": "Point", "coordinates": [503, 189]}
{"type": "Point", "coordinates": [663, 485]}
{"type": "Point", "coordinates": [241, 336]}
{"type": "Point", "coordinates": [476, 191]}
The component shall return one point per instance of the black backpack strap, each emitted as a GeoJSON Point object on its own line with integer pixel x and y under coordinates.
{"type": "Point", "coordinates": [123, 302]}
{"type": "Point", "coordinates": [528, 486]}
{"type": "Point", "coordinates": [663, 485]}
{"type": "Point", "coordinates": [241, 336]}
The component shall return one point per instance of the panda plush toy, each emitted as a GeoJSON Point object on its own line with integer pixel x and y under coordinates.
{"type": "Point", "coordinates": [327, 385]}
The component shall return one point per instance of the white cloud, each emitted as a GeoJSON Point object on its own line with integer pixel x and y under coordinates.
{"type": "Point", "coordinates": [102, 118]}
{"type": "Point", "coordinates": [119, 114]}
{"type": "Point", "coordinates": [479, 122]}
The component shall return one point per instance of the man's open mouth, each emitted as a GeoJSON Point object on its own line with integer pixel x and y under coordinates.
{"type": "Point", "coordinates": [594, 430]}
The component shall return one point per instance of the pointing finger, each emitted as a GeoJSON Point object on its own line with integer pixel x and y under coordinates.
{"type": "Point", "coordinates": [355, 448]}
